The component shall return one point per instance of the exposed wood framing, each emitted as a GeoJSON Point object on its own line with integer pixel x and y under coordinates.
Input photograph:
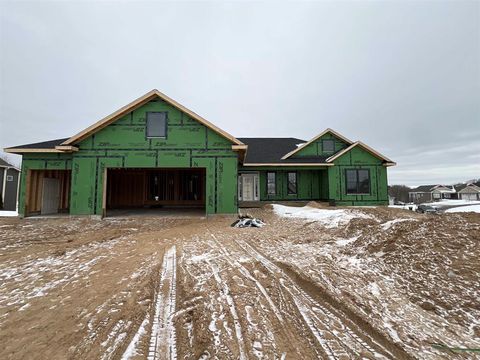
{"type": "Point", "coordinates": [66, 148]}
{"type": "Point", "coordinates": [28, 150]}
{"type": "Point", "coordinates": [34, 189]}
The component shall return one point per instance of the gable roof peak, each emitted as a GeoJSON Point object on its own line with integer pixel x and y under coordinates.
{"type": "Point", "coordinates": [326, 131]}
{"type": "Point", "coordinates": [387, 161]}
{"type": "Point", "coordinates": [136, 104]}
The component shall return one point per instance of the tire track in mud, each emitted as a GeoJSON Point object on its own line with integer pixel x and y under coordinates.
{"type": "Point", "coordinates": [338, 336]}
{"type": "Point", "coordinates": [244, 271]}
{"type": "Point", "coordinates": [163, 336]}
{"type": "Point", "coordinates": [233, 311]}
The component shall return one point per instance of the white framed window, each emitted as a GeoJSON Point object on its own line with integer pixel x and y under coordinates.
{"type": "Point", "coordinates": [9, 177]}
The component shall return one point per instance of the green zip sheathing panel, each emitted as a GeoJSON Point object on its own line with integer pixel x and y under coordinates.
{"type": "Point", "coordinates": [123, 144]}
{"type": "Point", "coordinates": [357, 158]}
{"type": "Point", "coordinates": [311, 184]}
{"type": "Point", "coordinates": [315, 148]}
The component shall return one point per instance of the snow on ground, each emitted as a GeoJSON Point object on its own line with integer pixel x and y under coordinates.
{"type": "Point", "coordinates": [388, 283]}
{"type": "Point", "coordinates": [163, 337]}
{"type": "Point", "coordinates": [412, 207]}
{"type": "Point", "coordinates": [389, 224]}
{"type": "Point", "coordinates": [471, 208]}
{"type": "Point", "coordinates": [4, 213]}
{"type": "Point", "coordinates": [328, 218]}
{"type": "Point", "coordinates": [443, 203]}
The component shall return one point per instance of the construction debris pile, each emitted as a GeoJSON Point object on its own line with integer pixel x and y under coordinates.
{"type": "Point", "coordinates": [248, 221]}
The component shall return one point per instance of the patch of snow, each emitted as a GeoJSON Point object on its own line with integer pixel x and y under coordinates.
{"type": "Point", "coordinates": [5, 213]}
{"type": "Point", "coordinates": [387, 225]}
{"type": "Point", "coordinates": [163, 337]}
{"type": "Point", "coordinates": [471, 208]}
{"type": "Point", "coordinates": [411, 207]}
{"type": "Point", "coordinates": [233, 311]}
{"type": "Point", "coordinates": [329, 218]}
{"type": "Point", "coordinates": [374, 289]}
{"type": "Point", "coordinates": [132, 347]}
{"type": "Point", "coordinates": [343, 242]}
{"type": "Point", "coordinates": [393, 333]}
{"type": "Point", "coordinates": [446, 202]}
{"type": "Point", "coordinates": [24, 307]}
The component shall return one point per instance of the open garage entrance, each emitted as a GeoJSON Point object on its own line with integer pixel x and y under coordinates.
{"type": "Point", "coordinates": [48, 192]}
{"type": "Point", "coordinates": [155, 191]}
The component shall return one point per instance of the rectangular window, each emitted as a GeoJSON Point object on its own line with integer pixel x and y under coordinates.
{"type": "Point", "coordinates": [358, 181]}
{"type": "Point", "coordinates": [328, 145]}
{"type": "Point", "coordinates": [271, 184]}
{"type": "Point", "coordinates": [240, 184]}
{"type": "Point", "coordinates": [156, 124]}
{"type": "Point", "coordinates": [9, 177]}
{"type": "Point", "coordinates": [292, 183]}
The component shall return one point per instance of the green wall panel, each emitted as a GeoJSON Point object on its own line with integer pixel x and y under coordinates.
{"type": "Point", "coordinates": [310, 184]}
{"type": "Point", "coordinates": [124, 144]}
{"type": "Point", "coordinates": [357, 158]}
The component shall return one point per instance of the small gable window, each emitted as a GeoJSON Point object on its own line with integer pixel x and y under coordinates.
{"type": "Point", "coordinates": [358, 181]}
{"type": "Point", "coordinates": [328, 145]}
{"type": "Point", "coordinates": [292, 183]}
{"type": "Point", "coordinates": [156, 124]}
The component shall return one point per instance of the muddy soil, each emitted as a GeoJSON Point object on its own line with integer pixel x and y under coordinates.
{"type": "Point", "coordinates": [386, 285]}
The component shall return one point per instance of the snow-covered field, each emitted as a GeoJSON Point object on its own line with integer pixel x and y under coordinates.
{"type": "Point", "coordinates": [468, 208]}
{"type": "Point", "coordinates": [372, 283]}
{"type": "Point", "coordinates": [327, 217]}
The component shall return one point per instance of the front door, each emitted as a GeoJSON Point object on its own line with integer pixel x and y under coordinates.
{"type": "Point", "coordinates": [249, 187]}
{"type": "Point", "coordinates": [50, 196]}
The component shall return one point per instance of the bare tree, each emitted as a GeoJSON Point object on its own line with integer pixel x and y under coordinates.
{"type": "Point", "coordinates": [399, 192]}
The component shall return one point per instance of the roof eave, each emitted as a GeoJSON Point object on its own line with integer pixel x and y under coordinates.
{"type": "Point", "coordinates": [386, 161]}
{"type": "Point", "coordinates": [139, 102]}
{"type": "Point", "coordinates": [287, 164]}
{"type": "Point", "coordinates": [56, 149]}
{"type": "Point", "coordinates": [20, 151]}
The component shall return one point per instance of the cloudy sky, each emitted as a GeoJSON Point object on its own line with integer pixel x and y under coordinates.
{"type": "Point", "coordinates": [403, 77]}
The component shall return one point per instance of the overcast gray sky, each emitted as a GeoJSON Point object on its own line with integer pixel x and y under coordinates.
{"type": "Point", "coordinates": [403, 77]}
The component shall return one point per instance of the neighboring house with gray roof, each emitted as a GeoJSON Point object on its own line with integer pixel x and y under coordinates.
{"type": "Point", "coordinates": [428, 193]}
{"type": "Point", "coordinates": [9, 180]}
{"type": "Point", "coordinates": [469, 191]}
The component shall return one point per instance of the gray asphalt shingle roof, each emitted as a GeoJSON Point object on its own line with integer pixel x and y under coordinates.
{"type": "Point", "coordinates": [271, 150]}
{"type": "Point", "coordinates": [50, 144]}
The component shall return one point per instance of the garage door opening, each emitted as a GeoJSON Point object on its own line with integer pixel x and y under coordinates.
{"type": "Point", "coordinates": [48, 192]}
{"type": "Point", "coordinates": [155, 191]}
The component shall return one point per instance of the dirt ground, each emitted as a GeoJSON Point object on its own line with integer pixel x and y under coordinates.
{"type": "Point", "coordinates": [386, 284]}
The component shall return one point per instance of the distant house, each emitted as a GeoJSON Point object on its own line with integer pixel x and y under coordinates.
{"type": "Point", "coordinates": [440, 192]}
{"type": "Point", "coordinates": [9, 179]}
{"type": "Point", "coordinates": [469, 191]}
{"type": "Point", "coordinates": [420, 194]}
{"type": "Point", "coordinates": [426, 193]}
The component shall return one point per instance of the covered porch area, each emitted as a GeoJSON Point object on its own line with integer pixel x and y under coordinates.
{"type": "Point", "coordinates": [257, 187]}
